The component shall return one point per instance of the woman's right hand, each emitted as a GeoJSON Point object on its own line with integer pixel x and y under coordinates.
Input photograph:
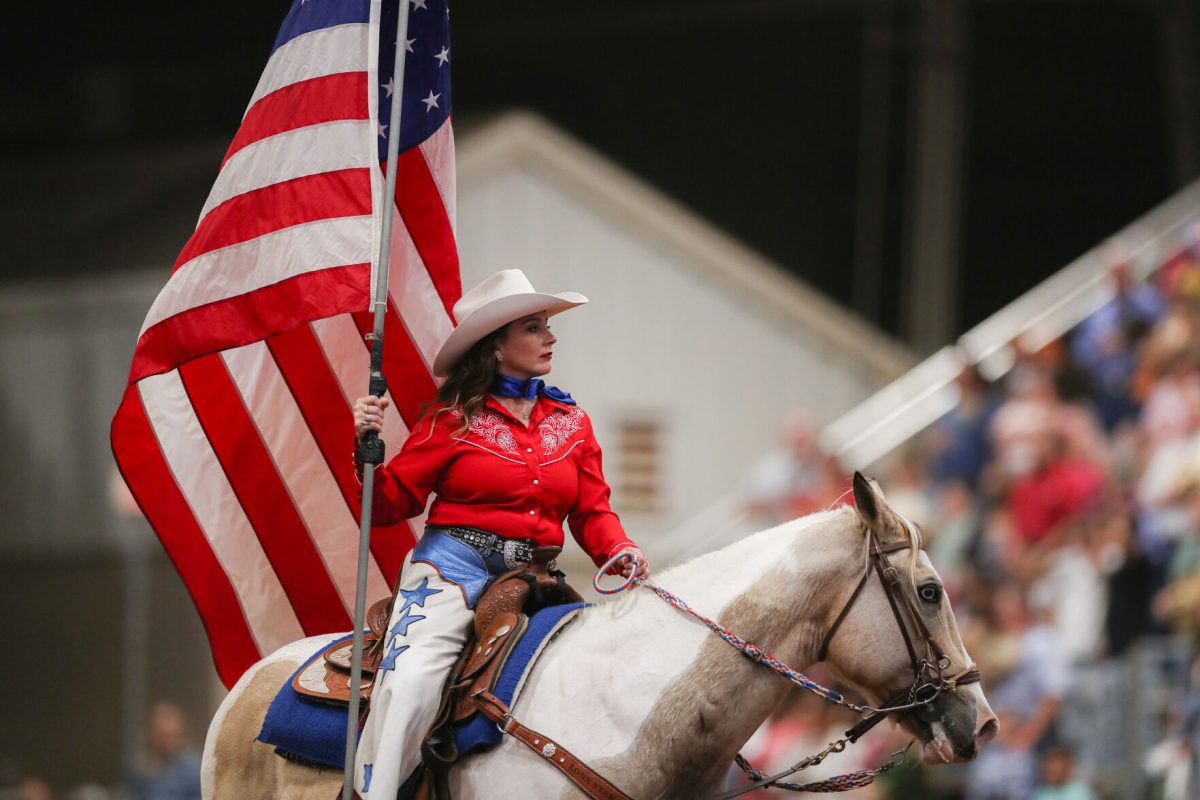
{"type": "Point", "coordinates": [368, 414]}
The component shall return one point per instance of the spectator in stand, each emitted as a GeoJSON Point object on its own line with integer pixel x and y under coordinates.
{"type": "Point", "coordinates": [33, 789]}
{"type": "Point", "coordinates": [1174, 763]}
{"type": "Point", "coordinates": [1059, 781]}
{"type": "Point", "coordinates": [797, 480]}
{"type": "Point", "coordinates": [1131, 581]}
{"type": "Point", "coordinates": [1028, 674]}
{"type": "Point", "coordinates": [1104, 345]}
{"type": "Point", "coordinates": [171, 768]}
{"type": "Point", "coordinates": [960, 443]}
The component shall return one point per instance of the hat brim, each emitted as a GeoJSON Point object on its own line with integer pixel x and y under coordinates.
{"type": "Point", "coordinates": [495, 314]}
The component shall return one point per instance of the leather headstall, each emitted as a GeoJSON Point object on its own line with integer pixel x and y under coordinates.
{"type": "Point", "coordinates": [929, 678]}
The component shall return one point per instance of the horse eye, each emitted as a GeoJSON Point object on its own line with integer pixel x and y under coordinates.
{"type": "Point", "coordinates": [930, 593]}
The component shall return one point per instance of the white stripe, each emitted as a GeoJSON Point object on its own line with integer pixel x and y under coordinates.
{"type": "Point", "coordinates": [313, 490]}
{"type": "Point", "coordinates": [438, 150]}
{"type": "Point", "coordinates": [351, 364]}
{"type": "Point", "coordinates": [412, 292]}
{"type": "Point", "coordinates": [327, 51]}
{"type": "Point", "coordinates": [194, 465]}
{"type": "Point", "coordinates": [330, 146]}
{"type": "Point", "coordinates": [235, 270]}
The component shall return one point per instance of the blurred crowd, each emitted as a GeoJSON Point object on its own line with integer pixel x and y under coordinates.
{"type": "Point", "coordinates": [167, 768]}
{"type": "Point", "coordinates": [1061, 505]}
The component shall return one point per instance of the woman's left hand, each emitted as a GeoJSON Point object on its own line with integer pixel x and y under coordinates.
{"type": "Point", "coordinates": [626, 560]}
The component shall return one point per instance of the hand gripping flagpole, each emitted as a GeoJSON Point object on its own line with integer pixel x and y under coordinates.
{"type": "Point", "coordinates": [370, 448]}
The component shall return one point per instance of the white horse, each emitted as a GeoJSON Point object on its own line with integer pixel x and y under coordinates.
{"type": "Point", "coordinates": [652, 699]}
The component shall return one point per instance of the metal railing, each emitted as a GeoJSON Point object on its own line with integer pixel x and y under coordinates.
{"type": "Point", "coordinates": [917, 399]}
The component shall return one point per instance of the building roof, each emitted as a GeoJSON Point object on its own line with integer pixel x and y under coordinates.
{"type": "Point", "coordinates": [524, 140]}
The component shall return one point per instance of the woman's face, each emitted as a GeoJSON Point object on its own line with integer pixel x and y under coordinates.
{"type": "Point", "coordinates": [526, 347]}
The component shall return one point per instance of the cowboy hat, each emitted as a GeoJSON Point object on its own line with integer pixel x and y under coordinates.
{"type": "Point", "coordinates": [497, 300]}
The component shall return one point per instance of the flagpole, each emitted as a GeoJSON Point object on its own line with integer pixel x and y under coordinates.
{"type": "Point", "coordinates": [370, 449]}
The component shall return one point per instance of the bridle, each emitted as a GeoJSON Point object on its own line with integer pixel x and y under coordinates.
{"type": "Point", "coordinates": [929, 671]}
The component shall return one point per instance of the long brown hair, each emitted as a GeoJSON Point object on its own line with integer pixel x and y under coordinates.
{"type": "Point", "coordinates": [467, 384]}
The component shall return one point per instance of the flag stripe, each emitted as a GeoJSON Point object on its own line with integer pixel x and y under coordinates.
{"type": "Point", "coordinates": [321, 52]}
{"type": "Point", "coordinates": [420, 204]}
{"type": "Point", "coordinates": [189, 456]}
{"type": "Point", "coordinates": [412, 292]}
{"type": "Point", "coordinates": [330, 98]}
{"type": "Point", "coordinates": [300, 201]}
{"type": "Point", "coordinates": [250, 317]}
{"type": "Point", "coordinates": [305, 18]}
{"type": "Point", "coordinates": [407, 375]}
{"type": "Point", "coordinates": [255, 482]}
{"type": "Point", "coordinates": [321, 403]}
{"type": "Point", "coordinates": [263, 261]}
{"type": "Point", "coordinates": [145, 470]}
{"type": "Point", "coordinates": [341, 336]}
{"type": "Point", "coordinates": [439, 154]}
{"type": "Point", "coordinates": [302, 468]}
{"type": "Point", "coordinates": [330, 147]}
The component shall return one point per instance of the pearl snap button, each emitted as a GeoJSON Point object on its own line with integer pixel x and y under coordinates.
{"type": "Point", "coordinates": [531, 513]}
{"type": "Point", "coordinates": [536, 481]}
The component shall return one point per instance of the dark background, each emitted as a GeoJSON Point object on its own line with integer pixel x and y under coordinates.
{"type": "Point", "coordinates": [747, 111]}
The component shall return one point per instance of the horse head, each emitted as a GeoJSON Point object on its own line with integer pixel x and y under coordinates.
{"type": "Point", "coordinates": [896, 641]}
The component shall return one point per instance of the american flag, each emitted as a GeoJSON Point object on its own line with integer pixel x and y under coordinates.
{"type": "Point", "coordinates": [235, 432]}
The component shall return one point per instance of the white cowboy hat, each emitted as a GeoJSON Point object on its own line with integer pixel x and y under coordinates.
{"type": "Point", "coordinates": [497, 300]}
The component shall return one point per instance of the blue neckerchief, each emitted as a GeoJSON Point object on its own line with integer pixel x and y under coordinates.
{"type": "Point", "coordinates": [506, 386]}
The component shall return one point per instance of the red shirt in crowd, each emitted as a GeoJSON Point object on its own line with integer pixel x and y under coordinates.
{"type": "Point", "coordinates": [504, 477]}
{"type": "Point", "coordinates": [1056, 493]}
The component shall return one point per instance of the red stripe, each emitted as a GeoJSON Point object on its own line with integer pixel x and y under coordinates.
{"type": "Point", "coordinates": [145, 470]}
{"type": "Point", "coordinates": [263, 496]}
{"type": "Point", "coordinates": [319, 396]}
{"type": "Point", "coordinates": [250, 317]}
{"type": "Point", "coordinates": [424, 213]}
{"type": "Point", "coordinates": [328, 98]}
{"type": "Point", "coordinates": [326, 195]}
{"type": "Point", "coordinates": [409, 381]}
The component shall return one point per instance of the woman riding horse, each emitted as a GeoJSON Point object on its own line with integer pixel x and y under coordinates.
{"type": "Point", "coordinates": [509, 459]}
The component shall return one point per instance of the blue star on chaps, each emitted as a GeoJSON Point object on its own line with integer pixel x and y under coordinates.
{"type": "Point", "coordinates": [367, 768]}
{"type": "Point", "coordinates": [389, 660]}
{"type": "Point", "coordinates": [401, 626]}
{"type": "Point", "coordinates": [417, 596]}
{"type": "Point", "coordinates": [412, 597]}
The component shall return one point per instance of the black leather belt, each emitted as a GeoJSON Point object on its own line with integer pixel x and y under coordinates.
{"type": "Point", "coordinates": [514, 551]}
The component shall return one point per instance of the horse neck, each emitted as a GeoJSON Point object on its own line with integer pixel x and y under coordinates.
{"type": "Point", "coordinates": [776, 589]}
{"type": "Point", "coordinates": [778, 585]}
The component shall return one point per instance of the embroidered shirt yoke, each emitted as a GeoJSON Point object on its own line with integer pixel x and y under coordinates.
{"type": "Point", "coordinates": [503, 477]}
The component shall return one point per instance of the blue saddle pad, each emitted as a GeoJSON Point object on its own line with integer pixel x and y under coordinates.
{"type": "Point", "coordinates": [304, 729]}
{"type": "Point", "coordinates": [313, 732]}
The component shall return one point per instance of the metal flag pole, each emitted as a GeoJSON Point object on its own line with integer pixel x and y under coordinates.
{"type": "Point", "coordinates": [370, 448]}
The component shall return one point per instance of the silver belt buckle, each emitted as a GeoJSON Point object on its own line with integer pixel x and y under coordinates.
{"type": "Point", "coordinates": [510, 550]}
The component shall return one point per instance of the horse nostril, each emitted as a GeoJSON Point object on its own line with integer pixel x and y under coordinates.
{"type": "Point", "coordinates": [988, 732]}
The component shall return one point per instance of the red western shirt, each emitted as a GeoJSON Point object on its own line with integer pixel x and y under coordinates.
{"type": "Point", "coordinates": [504, 477]}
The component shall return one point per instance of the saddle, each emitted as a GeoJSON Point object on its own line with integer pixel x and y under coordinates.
{"type": "Point", "coordinates": [500, 618]}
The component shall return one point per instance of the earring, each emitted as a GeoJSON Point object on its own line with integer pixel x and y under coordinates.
{"type": "Point", "coordinates": [499, 357]}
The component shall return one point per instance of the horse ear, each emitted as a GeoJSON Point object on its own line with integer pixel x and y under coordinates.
{"type": "Point", "coordinates": [865, 502]}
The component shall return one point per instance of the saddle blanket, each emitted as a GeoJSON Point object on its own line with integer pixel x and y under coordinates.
{"type": "Point", "coordinates": [311, 732]}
